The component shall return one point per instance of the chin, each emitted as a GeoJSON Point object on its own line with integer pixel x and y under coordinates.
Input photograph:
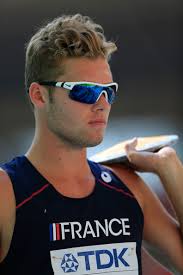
{"type": "Point", "coordinates": [95, 142]}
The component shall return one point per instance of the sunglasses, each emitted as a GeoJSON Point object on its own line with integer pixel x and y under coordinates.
{"type": "Point", "coordinates": [86, 92]}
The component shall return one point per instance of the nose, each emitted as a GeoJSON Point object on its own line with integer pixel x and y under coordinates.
{"type": "Point", "coordinates": [104, 93]}
{"type": "Point", "coordinates": [102, 102]}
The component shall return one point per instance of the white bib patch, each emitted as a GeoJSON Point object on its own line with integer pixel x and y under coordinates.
{"type": "Point", "coordinates": [98, 259]}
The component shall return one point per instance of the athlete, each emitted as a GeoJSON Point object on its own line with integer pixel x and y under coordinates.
{"type": "Point", "coordinates": [59, 212]}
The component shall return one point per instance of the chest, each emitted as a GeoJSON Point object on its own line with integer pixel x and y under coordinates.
{"type": "Point", "coordinates": [100, 232]}
{"type": "Point", "coordinates": [104, 217]}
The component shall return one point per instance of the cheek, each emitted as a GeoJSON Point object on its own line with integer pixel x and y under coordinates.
{"type": "Point", "coordinates": [77, 114]}
{"type": "Point", "coordinates": [72, 112]}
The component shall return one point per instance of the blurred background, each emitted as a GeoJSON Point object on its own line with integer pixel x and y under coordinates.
{"type": "Point", "coordinates": [147, 66]}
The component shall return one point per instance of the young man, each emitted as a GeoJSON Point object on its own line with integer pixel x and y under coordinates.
{"type": "Point", "coordinates": [59, 212]}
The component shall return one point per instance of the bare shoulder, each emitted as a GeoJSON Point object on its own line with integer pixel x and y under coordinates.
{"type": "Point", "coordinates": [6, 188]}
{"type": "Point", "coordinates": [131, 179]}
{"type": "Point", "coordinates": [7, 213]}
{"type": "Point", "coordinates": [7, 198]}
{"type": "Point", "coordinates": [125, 172]}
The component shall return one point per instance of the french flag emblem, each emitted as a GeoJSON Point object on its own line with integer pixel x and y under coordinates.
{"type": "Point", "coordinates": [55, 232]}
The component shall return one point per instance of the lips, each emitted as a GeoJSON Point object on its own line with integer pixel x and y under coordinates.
{"type": "Point", "coordinates": [98, 122]}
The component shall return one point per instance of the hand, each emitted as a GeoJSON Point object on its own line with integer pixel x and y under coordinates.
{"type": "Point", "coordinates": [148, 161]}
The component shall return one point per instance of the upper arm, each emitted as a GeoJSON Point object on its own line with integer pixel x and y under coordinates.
{"type": "Point", "coordinates": [161, 230]}
{"type": "Point", "coordinates": [7, 212]}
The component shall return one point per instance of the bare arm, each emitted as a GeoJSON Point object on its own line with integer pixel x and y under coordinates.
{"type": "Point", "coordinates": [7, 213]}
{"type": "Point", "coordinates": [171, 174]}
{"type": "Point", "coordinates": [161, 233]}
{"type": "Point", "coordinates": [161, 230]}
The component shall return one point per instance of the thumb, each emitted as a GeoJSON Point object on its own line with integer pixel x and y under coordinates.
{"type": "Point", "coordinates": [130, 148]}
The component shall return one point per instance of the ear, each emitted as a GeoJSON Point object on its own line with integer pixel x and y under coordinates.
{"type": "Point", "coordinates": [37, 94]}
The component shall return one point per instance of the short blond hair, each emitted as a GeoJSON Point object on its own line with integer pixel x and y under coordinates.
{"type": "Point", "coordinates": [65, 36]}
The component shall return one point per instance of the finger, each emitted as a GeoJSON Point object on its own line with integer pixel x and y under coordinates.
{"type": "Point", "coordinates": [142, 161]}
{"type": "Point", "coordinates": [130, 147]}
{"type": "Point", "coordinates": [131, 144]}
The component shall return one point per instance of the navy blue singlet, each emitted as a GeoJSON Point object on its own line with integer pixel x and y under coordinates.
{"type": "Point", "coordinates": [54, 234]}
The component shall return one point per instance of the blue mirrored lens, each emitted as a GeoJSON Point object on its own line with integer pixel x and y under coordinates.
{"type": "Point", "coordinates": [90, 94]}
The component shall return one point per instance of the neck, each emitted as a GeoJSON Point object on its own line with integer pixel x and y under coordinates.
{"type": "Point", "coordinates": [57, 160]}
